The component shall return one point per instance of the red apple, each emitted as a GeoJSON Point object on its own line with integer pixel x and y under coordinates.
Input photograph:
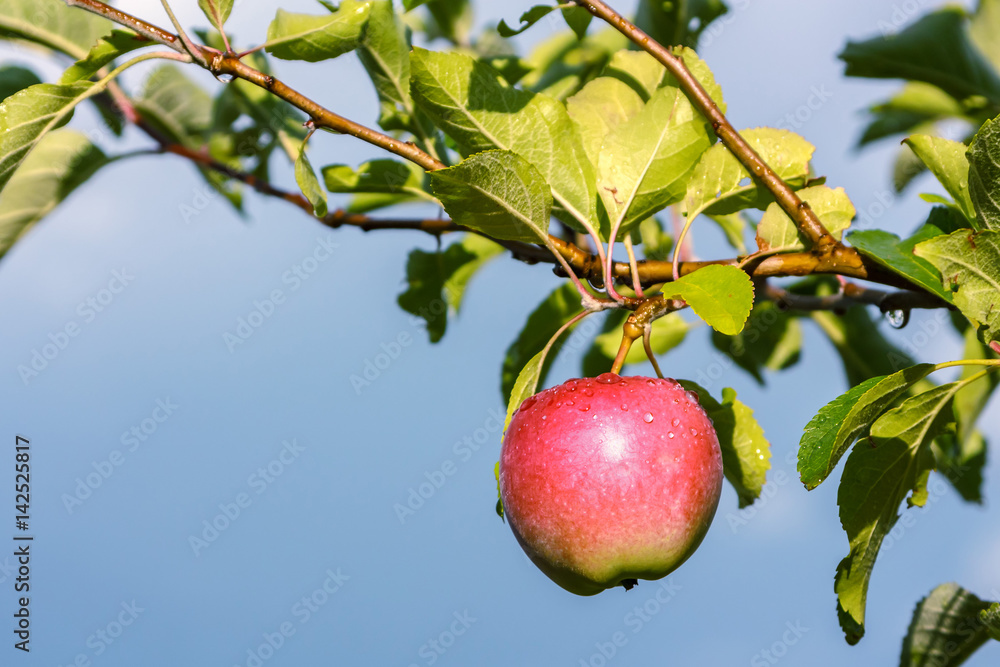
{"type": "Point", "coordinates": [610, 479]}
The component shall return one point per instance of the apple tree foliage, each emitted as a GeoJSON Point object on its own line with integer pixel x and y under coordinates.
{"type": "Point", "coordinates": [601, 137]}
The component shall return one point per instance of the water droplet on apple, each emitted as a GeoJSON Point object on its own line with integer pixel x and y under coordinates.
{"type": "Point", "coordinates": [569, 403]}
{"type": "Point", "coordinates": [670, 434]}
{"type": "Point", "coordinates": [544, 417]}
{"type": "Point", "coordinates": [648, 417]}
{"type": "Point", "coordinates": [651, 383]}
{"type": "Point", "coordinates": [694, 431]}
{"type": "Point", "coordinates": [624, 407]}
{"type": "Point", "coordinates": [528, 402]}
{"type": "Point", "coordinates": [607, 378]}
{"type": "Point", "coordinates": [676, 422]}
{"type": "Point", "coordinates": [584, 408]}
{"type": "Point", "coordinates": [588, 392]}
{"type": "Point", "coordinates": [693, 397]}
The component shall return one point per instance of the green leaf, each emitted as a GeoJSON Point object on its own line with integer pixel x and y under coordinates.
{"type": "Point", "coordinates": [61, 162]}
{"type": "Point", "coordinates": [656, 243]}
{"type": "Point", "coordinates": [864, 351]}
{"type": "Point", "coordinates": [646, 162]}
{"type": "Point", "coordinates": [52, 24]}
{"type": "Point", "coordinates": [452, 20]}
{"type": "Point", "coordinates": [962, 459]}
{"type": "Point", "coordinates": [771, 339]}
{"type": "Point", "coordinates": [667, 333]}
{"type": "Point", "coordinates": [721, 185]}
{"type": "Point", "coordinates": [777, 232]}
{"type": "Point", "coordinates": [946, 628]}
{"type": "Point", "coordinates": [383, 176]}
{"type": "Point", "coordinates": [437, 281]}
{"type": "Point", "coordinates": [602, 105]}
{"type": "Point", "coordinates": [915, 104]}
{"type": "Point", "coordinates": [315, 38]}
{"type": "Point", "coordinates": [309, 184]}
{"type": "Point", "coordinates": [118, 43]}
{"type": "Point", "coordinates": [984, 172]}
{"type": "Point", "coordinates": [639, 71]}
{"type": "Point", "coordinates": [678, 23]}
{"type": "Point", "coordinates": [29, 114]}
{"type": "Point", "coordinates": [562, 64]}
{"type": "Point", "coordinates": [526, 385]}
{"type": "Point", "coordinates": [885, 248]}
{"type": "Point", "coordinates": [734, 226]}
{"type": "Point", "coordinates": [182, 111]}
{"type": "Point", "coordinates": [970, 265]}
{"type": "Point", "coordinates": [216, 11]}
{"type": "Point", "coordinates": [935, 50]}
{"type": "Point", "coordinates": [961, 453]}
{"type": "Point", "coordinates": [528, 19]}
{"type": "Point", "coordinates": [991, 618]}
{"type": "Point", "coordinates": [848, 417]}
{"type": "Point", "coordinates": [558, 307]}
{"type": "Point", "coordinates": [498, 193]}
{"type": "Point", "coordinates": [720, 295]}
{"type": "Point", "coordinates": [14, 79]}
{"type": "Point", "coordinates": [907, 166]}
{"type": "Point", "coordinates": [984, 30]}
{"type": "Point", "coordinates": [746, 453]}
{"type": "Point", "coordinates": [472, 103]}
{"type": "Point", "coordinates": [578, 19]}
{"type": "Point", "coordinates": [176, 105]}
{"type": "Point", "coordinates": [385, 53]}
{"type": "Point", "coordinates": [878, 477]}
{"type": "Point", "coordinates": [946, 160]}
{"type": "Point", "coordinates": [970, 404]}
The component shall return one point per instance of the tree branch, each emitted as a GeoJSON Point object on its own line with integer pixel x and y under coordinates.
{"type": "Point", "coordinates": [832, 258]}
{"type": "Point", "coordinates": [147, 30]}
{"type": "Point", "coordinates": [799, 211]}
{"type": "Point", "coordinates": [853, 295]}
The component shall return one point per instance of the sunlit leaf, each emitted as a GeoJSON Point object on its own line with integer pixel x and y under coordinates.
{"type": "Point", "coordinates": [314, 38]}
{"type": "Point", "coordinates": [498, 193]}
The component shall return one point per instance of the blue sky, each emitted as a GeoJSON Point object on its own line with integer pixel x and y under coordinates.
{"type": "Point", "coordinates": [317, 566]}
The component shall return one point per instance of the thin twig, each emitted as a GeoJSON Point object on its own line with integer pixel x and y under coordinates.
{"type": "Point", "coordinates": [189, 46]}
{"type": "Point", "coordinates": [144, 28]}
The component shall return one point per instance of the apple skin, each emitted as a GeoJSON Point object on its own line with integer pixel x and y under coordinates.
{"type": "Point", "coordinates": [610, 479]}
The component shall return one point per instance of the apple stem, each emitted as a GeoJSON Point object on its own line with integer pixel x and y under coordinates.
{"type": "Point", "coordinates": [631, 331]}
{"type": "Point", "coordinates": [649, 350]}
